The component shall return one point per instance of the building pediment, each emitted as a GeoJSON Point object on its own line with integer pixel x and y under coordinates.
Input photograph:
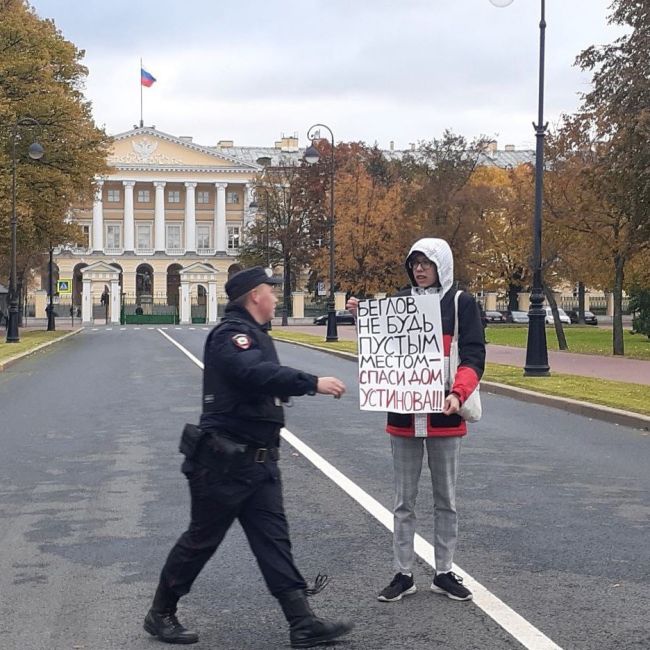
{"type": "Point", "coordinates": [100, 271]}
{"type": "Point", "coordinates": [198, 272]}
{"type": "Point", "coordinates": [147, 148]}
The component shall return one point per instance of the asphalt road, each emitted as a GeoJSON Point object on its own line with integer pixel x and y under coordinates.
{"type": "Point", "coordinates": [555, 512]}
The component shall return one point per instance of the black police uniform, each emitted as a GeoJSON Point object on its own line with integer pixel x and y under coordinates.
{"type": "Point", "coordinates": [233, 473]}
{"type": "Point", "coordinates": [243, 388]}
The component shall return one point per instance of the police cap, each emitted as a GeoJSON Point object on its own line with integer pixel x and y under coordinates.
{"type": "Point", "coordinates": [248, 279]}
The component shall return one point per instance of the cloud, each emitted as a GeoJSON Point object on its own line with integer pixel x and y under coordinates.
{"type": "Point", "coordinates": [378, 69]}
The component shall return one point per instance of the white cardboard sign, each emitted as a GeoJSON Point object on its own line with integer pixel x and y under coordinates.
{"type": "Point", "coordinates": [401, 354]}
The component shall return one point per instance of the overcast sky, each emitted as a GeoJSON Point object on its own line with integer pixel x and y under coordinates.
{"type": "Point", "coordinates": [372, 70]}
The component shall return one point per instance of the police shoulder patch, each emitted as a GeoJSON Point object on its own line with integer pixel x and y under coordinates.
{"type": "Point", "coordinates": [242, 341]}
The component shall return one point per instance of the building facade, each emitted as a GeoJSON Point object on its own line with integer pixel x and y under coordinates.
{"type": "Point", "coordinates": [168, 219]}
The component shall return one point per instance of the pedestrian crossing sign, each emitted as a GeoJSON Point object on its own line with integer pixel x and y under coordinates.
{"type": "Point", "coordinates": [64, 286]}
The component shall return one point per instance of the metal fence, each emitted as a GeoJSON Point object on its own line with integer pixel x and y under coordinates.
{"type": "Point", "coordinates": [147, 310]}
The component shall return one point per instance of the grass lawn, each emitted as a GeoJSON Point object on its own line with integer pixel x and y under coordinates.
{"type": "Point", "coordinates": [28, 341]}
{"type": "Point", "coordinates": [580, 338]}
{"type": "Point", "coordinates": [629, 397]}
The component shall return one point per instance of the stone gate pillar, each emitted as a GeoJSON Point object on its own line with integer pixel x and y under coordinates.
{"type": "Point", "coordinates": [212, 302]}
{"type": "Point", "coordinates": [115, 301]}
{"type": "Point", "coordinates": [186, 307]}
{"type": "Point", "coordinates": [87, 302]}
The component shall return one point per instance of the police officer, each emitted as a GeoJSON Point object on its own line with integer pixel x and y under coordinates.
{"type": "Point", "coordinates": [234, 472]}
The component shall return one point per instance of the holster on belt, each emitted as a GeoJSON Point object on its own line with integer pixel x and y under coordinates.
{"type": "Point", "coordinates": [190, 442]}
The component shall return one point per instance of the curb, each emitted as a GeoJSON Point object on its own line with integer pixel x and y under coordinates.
{"type": "Point", "coordinates": [587, 409]}
{"type": "Point", "coordinates": [11, 360]}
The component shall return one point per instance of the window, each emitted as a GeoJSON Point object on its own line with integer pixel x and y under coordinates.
{"type": "Point", "coordinates": [174, 196]}
{"type": "Point", "coordinates": [232, 197]}
{"type": "Point", "coordinates": [113, 196]}
{"type": "Point", "coordinates": [84, 240]}
{"type": "Point", "coordinates": [143, 234]}
{"type": "Point", "coordinates": [203, 197]}
{"type": "Point", "coordinates": [144, 196]}
{"type": "Point", "coordinates": [113, 235]}
{"type": "Point", "coordinates": [174, 235]}
{"type": "Point", "coordinates": [234, 234]}
{"type": "Point", "coordinates": [202, 236]}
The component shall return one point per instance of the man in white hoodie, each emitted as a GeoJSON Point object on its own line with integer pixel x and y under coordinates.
{"type": "Point", "coordinates": [430, 267]}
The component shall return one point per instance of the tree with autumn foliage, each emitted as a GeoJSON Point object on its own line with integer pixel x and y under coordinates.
{"type": "Point", "coordinates": [41, 77]}
{"type": "Point", "coordinates": [369, 222]}
{"type": "Point", "coordinates": [605, 148]}
{"type": "Point", "coordinates": [440, 202]}
{"type": "Point", "coordinates": [288, 223]}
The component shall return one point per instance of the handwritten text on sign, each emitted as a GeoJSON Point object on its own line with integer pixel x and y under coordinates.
{"type": "Point", "coordinates": [401, 354]}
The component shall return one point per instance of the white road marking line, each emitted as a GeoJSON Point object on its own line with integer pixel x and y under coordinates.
{"type": "Point", "coordinates": [136, 328]}
{"type": "Point", "coordinates": [178, 328]}
{"type": "Point", "coordinates": [515, 624]}
{"type": "Point", "coordinates": [205, 329]}
{"type": "Point", "coordinates": [95, 329]}
{"type": "Point", "coordinates": [182, 349]}
{"type": "Point", "coordinates": [122, 329]}
{"type": "Point", "coordinates": [164, 328]}
{"type": "Point", "coordinates": [151, 328]}
{"type": "Point", "coordinates": [192, 328]}
{"type": "Point", "coordinates": [109, 329]}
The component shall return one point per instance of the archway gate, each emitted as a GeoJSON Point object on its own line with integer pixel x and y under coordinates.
{"type": "Point", "coordinates": [198, 274]}
{"type": "Point", "coordinates": [105, 275]}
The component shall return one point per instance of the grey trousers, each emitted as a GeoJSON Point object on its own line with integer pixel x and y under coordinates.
{"type": "Point", "coordinates": [442, 455]}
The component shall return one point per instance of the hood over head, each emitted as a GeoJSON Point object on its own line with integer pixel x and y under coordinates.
{"type": "Point", "coordinates": [439, 252]}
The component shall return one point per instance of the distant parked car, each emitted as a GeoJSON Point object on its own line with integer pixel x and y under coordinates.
{"type": "Point", "coordinates": [494, 317]}
{"type": "Point", "coordinates": [590, 317]}
{"type": "Point", "coordinates": [343, 317]}
{"type": "Point", "coordinates": [520, 317]}
{"type": "Point", "coordinates": [562, 314]}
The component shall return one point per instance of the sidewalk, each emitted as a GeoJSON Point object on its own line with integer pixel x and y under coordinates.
{"type": "Point", "coordinates": [634, 371]}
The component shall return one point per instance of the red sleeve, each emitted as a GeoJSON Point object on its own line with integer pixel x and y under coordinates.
{"type": "Point", "coordinates": [465, 382]}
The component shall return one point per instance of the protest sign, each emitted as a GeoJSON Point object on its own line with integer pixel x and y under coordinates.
{"type": "Point", "coordinates": [401, 354]}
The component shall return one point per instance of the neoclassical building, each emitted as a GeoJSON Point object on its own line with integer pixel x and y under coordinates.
{"type": "Point", "coordinates": [165, 227]}
{"type": "Point", "coordinates": [164, 230]}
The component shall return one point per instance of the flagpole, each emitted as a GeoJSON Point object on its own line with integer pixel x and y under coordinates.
{"type": "Point", "coordinates": [141, 120]}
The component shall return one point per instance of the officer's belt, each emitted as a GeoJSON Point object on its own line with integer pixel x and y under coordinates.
{"type": "Point", "coordinates": [208, 455]}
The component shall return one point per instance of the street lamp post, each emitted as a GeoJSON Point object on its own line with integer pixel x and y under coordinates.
{"type": "Point", "coordinates": [536, 350]}
{"type": "Point", "coordinates": [35, 153]}
{"type": "Point", "coordinates": [312, 155]}
{"type": "Point", "coordinates": [51, 322]}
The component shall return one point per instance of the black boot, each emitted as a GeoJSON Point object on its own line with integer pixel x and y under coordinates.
{"type": "Point", "coordinates": [167, 628]}
{"type": "Point", "coordinates": [161, 619]}
{"type": "Point", "coordinates": [306, 629]}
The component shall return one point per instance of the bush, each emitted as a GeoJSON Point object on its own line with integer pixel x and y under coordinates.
{"type": "Point", "coordinates": [640, 308]}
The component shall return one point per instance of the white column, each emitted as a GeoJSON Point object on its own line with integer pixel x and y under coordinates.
{"type": "Point", "coordinates": [159, 216]}
{"type": "Point", "coordinates": [221, 233]}
{"type": "Point", "coordinates": [190, 218]}
{"type": "Point", "coordinates": [115, 301]}
{"type": "Point", "coordinates": [98, 218]}
{"type": "Point", "coordinates": [129, 225]}
{"type": "Point", "coordinates": [86, 302]}
{"type": "Point", "coordinates": [248, 199]}
{"type": "Point", "coordinates": [186, 309]}
{"type": "Point", "coordinates": [212, 301]}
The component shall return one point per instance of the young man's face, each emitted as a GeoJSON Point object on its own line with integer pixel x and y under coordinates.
{"type": "Point", "coordinates": [424, 270]}
{"type": "Point", "coordinates": [265, 301]}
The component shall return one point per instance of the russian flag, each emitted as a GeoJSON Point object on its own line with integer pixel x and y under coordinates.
{"type": "Point", "coordinates": [146, 78]}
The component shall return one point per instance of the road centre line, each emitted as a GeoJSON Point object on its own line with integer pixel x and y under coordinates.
{"type": "Point", "coordinates": [515, 624]}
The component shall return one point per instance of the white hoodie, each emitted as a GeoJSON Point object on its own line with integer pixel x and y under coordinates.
{"type": "Point", "coordinates": [439, 252]}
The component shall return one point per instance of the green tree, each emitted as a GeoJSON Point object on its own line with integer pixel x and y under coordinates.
{"type": "Point", "coordinates": [42, 77]}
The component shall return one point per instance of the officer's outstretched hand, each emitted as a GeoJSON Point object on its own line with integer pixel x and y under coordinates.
{"type": "Point", "coordinates": [330, 386]}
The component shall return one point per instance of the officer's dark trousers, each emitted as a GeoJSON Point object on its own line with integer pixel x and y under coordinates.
{"type": "Point", "coordinates": [250, 492]}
